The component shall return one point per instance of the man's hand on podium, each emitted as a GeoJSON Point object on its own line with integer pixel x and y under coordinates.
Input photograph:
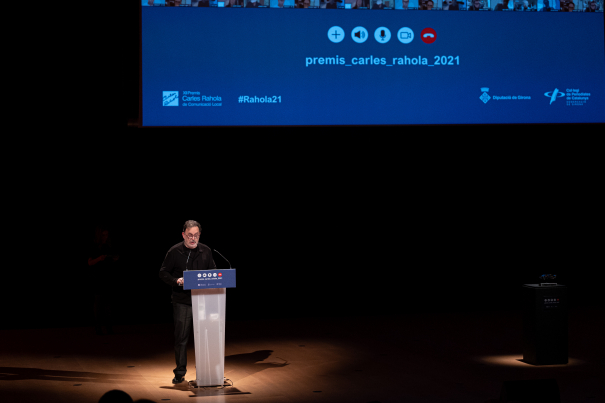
{"type": "Point", "coordinates": [180, 281]}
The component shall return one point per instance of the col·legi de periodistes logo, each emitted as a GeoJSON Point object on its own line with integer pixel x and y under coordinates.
{"type": "Point", "coordinates": [553, 95]}
{"type": "Point", "coordinates": [573, 96]}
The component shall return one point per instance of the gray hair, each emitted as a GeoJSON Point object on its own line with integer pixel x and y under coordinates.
{"type": "Point", "coordinates": [190, 224]}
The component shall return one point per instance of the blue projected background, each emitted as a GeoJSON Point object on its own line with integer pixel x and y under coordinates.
{"type": "Point", "coordinates": [211, 66]}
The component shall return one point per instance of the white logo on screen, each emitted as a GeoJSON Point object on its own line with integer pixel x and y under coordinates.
{"type": "Point", "coordinates": [170, 98]}
{"type": "Point", "coordinates": [484, 97]}
{"type": "Point", "coordinates": [213, 274]}
{"type": "Point", "coordinates": [199, 275]}
{"type": "Point", "coordinates": [553, 95]}
{"type": "Point", "coordinates": [204, 274]}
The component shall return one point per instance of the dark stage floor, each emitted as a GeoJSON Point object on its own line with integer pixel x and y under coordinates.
{"type": "Point", "coordinates": [461, 357]}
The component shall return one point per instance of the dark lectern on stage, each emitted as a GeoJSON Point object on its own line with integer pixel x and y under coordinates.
{"type": "Point", "coordinates": [545, 324]}
{"type": "Point", "coordinates": [208, 302]}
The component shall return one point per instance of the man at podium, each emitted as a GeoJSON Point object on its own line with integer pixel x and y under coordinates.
{"type": "Point", "coordinates": [186, 255]}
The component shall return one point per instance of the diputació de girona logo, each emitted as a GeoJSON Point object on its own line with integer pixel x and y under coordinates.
{"type": "Point", "coordinates": [484, 97]}
{"type": "Point", "coordinates": [553, 95]}
{"type": "Point", "coordinates": [170, 98]}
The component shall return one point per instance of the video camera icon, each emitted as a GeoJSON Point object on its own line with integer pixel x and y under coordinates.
{"type": "Point", "coordinates": [405, 35]}
{"type": "Point", "coordinates": [359, 34]}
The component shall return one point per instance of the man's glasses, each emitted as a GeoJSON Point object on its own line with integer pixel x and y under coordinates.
{"type": "Point", "coordinates": [189, 236]}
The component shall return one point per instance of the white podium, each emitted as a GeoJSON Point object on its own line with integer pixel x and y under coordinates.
{"type": "Point", "coordinates": [208, 303]}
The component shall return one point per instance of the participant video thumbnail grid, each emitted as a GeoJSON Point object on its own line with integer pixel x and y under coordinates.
{"type": "Point", "coordinates": [586, 6]}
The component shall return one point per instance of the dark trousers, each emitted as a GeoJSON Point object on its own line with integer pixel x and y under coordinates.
{"type": "Point", "coordinates": [183, 324]}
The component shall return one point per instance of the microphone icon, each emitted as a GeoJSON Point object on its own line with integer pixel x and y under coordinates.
{"type": "Point", "coordinates": [382, 35]}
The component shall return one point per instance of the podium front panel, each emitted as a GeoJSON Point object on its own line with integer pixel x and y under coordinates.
{"type": "Point", "coordinates": [208, 308]}
{"type": "Point", "coordinates": [204, 279]}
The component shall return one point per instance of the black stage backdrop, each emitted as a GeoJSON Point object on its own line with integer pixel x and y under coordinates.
{"type": "Point", "coordinates": [327, 236]}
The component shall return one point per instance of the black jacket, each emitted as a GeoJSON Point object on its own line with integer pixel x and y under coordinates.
{"type": "Point", "coordinates": [175, 263]}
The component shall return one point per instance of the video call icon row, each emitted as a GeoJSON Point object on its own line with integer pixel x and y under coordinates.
{"type": "Point", "coordinates": [405, 35]}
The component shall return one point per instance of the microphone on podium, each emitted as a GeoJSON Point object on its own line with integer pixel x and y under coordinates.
{"type": "Point", "coordinates": [223, 258]}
